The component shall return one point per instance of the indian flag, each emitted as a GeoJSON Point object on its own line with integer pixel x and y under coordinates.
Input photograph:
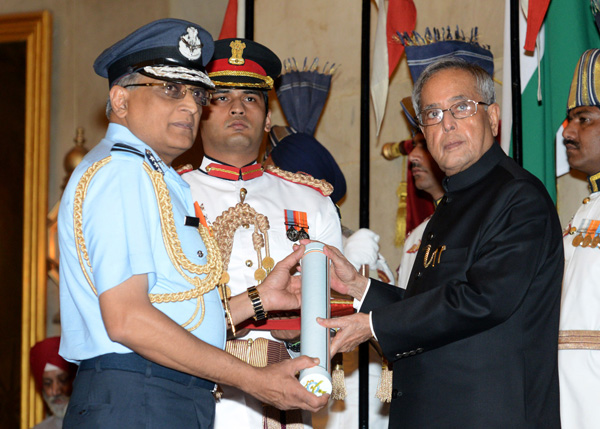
{"type": "Point", "coordinates": [546, 75]}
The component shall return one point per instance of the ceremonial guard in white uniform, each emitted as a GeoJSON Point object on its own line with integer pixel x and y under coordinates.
{"type": "Point", "coordinates": [579, 339]}
{"type": "Point", "coordinates": [256, 215]}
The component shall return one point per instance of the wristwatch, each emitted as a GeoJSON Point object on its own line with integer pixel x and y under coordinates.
{"type": "Point", "coordinates": [259, 310]}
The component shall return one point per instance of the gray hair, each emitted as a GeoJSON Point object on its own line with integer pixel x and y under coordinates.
{"type": "Point", "coordinates": [125, 80]}
{"type": "Point", "coordinates": [484, 82]}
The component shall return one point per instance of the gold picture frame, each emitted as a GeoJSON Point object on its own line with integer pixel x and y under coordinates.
{"type": "Point", "coordinates": [35, 29]}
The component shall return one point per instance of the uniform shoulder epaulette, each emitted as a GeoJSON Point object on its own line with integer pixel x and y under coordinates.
{"type": "Point", "coordinates": [121, 147]}
{"type": "Point", "coordinates": [322, 186]}
{"type": "Point", "coordinates": [184, 169]}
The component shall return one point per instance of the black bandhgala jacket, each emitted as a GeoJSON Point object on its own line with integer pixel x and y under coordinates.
{"type": "Point", "coordinates": [473, 340]}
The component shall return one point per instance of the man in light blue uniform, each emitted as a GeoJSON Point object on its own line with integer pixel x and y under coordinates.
{"type": "Point", "coordinates": [139, 309]}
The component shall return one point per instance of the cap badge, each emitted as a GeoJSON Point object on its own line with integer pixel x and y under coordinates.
{"type": "Point", "coordinates": [190, 45]}
{"type": "Point", "coordinates": [237, 50]}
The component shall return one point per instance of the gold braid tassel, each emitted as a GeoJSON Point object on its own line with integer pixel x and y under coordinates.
{"type": "Point", "coordinates": [384, 387]}
{"type": "Point", "coordinates": [338, 384]}
{"type": "Point", "coordinates": [271, 417]}
{"type": "Point", "coordinates": [338, 381]}
{"type": "Point", "coordinates": [224, 228]}
{"type": "Point", "coordinates": [401, 215]}
{"type": "Point", "coordinates": [277, 419]}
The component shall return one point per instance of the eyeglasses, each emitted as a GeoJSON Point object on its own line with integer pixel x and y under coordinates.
{"type": "Point", "coordinates": [461, 110]}
{"type": "Point", "coordinates": [178, 90]}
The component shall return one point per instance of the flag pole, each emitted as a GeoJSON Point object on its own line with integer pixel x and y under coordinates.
{"type": "Point", "coordinates": [363, 349]}
{"type": "Point", "coordinates": [249, 20]}
{"type": "Point", "coordinates": [515, 71]}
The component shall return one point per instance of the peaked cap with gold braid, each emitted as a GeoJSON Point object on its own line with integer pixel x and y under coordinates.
{"type": "Point", "coordinates": [585, 87]}
{"type": "Point", "coordinates": [243, 63]}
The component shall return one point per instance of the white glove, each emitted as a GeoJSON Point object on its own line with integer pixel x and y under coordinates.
{"type": "Point", "coordinates": [362, 248]}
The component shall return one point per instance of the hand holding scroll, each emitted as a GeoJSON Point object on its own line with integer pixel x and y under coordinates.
{"type": "Point", "coordinates": [351, 331]}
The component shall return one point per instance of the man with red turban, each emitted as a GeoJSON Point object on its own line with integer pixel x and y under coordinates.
{"type": "Point", "coordinates": [53, 378]}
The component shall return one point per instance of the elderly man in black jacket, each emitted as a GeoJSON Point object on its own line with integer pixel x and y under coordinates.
{"type": "Point", "coordinates": [473, 340]}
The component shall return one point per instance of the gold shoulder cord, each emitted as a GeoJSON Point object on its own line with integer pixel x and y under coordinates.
{"type": "Point", "coordinates": [80, 193]}
{"type": "Point", "coordinates": [213, 269]}
{"type": "Point", "coordinates": [324, 186]}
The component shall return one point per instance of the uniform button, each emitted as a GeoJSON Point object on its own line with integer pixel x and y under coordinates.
{"type": "Point", "coordinates": [419, 350]}
{"type": "Point", "coordinates": [248, 263]}
{"type": "Point", "coordinates": [419, 274]}
{"type": "Point", "coordinates": [586, 200]}
{"type": "Point", "coordinates": [430, 236]}
{"type": "Point", "coordinates": [200, 253]}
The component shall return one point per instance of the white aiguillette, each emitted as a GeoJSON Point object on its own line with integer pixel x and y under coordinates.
{"type": "Point", "coordinates": [314, 338]}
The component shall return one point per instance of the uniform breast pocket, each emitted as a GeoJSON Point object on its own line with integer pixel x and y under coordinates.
{"type": "Point", "coordinates": [280, 244]}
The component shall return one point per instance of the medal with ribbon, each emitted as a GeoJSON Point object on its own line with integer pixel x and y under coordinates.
{"type": "Point", "coordinates": [588, 234]}
{"type": "Point", "coordinates": [296, 225]}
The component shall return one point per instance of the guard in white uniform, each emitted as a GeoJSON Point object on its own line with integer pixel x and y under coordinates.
{"type": "Point", "coordinates": [409, 253]}
{"type": "Point", "coordinates": [579, 340]}
{"type": "Point", "coordinates": [256, 215]}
